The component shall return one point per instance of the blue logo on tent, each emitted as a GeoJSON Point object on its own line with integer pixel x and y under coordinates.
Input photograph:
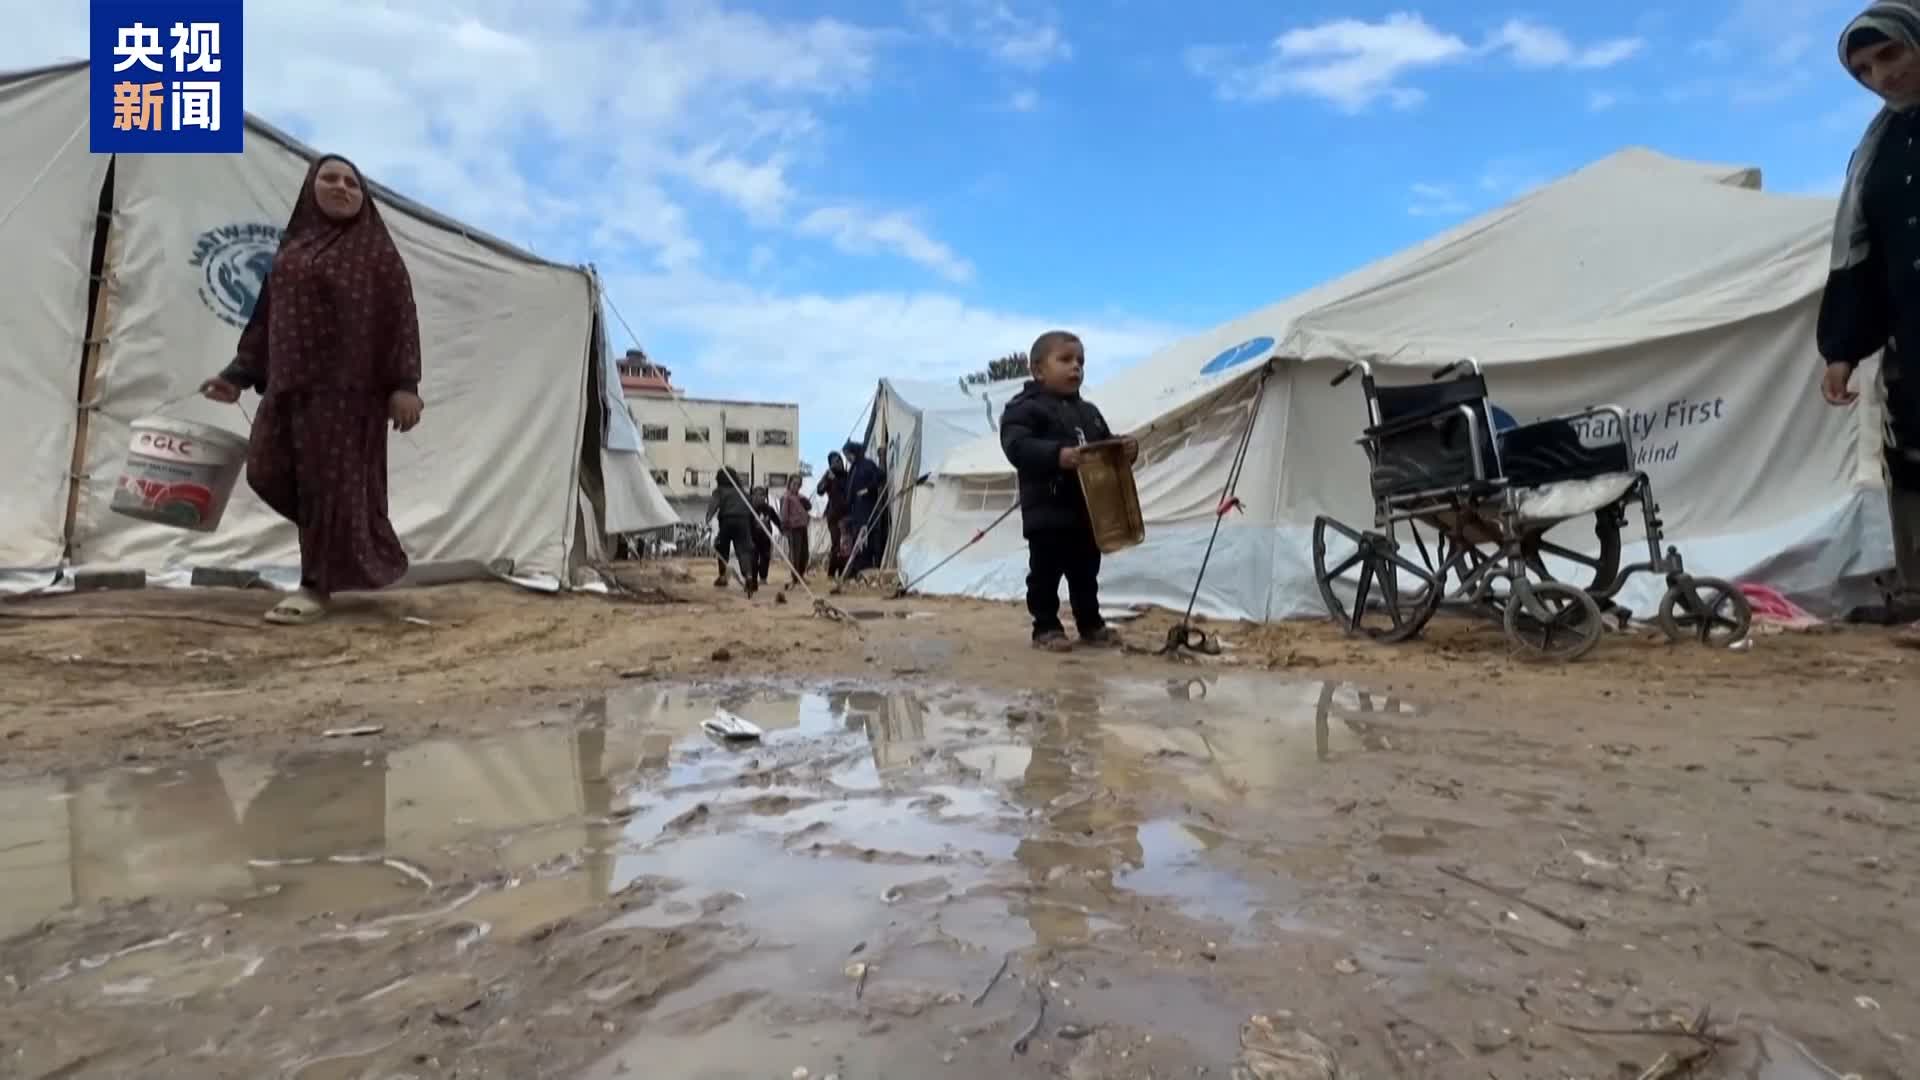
{"type": "Point", "coordinates": [1239, 354]}
{"type": "Point", "coordinates": [1502, 419]}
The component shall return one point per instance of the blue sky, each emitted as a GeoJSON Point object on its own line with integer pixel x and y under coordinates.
{"type": "Point", "coordinates": [790, 201]}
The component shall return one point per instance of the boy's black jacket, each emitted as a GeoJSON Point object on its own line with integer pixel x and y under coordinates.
{"type": "Point", "coordinates": [1034, 427]}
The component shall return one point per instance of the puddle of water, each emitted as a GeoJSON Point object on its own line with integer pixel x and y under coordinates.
{"type": "Point", "coordinates": [1173, 867]}
{"type": "Point", "coordinates": [861, 814]}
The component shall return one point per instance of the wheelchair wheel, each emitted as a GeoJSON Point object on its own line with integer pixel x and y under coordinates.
{"type": "Point", "coordinates": [1552, 620]}
{"type": "Point", "coordinates": [1600, 569]}
{"type": "Point", "coordinates": [1707, 610]}
{"type": "Point", "coordinates": [1361, 580]}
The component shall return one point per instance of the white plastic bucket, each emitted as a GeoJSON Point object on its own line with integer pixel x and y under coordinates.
{"type": "Point", "coordinates": [179, 473]}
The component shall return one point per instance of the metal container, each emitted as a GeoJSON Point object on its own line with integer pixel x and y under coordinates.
{"type": "Point", "coordinates": [1113, 503]}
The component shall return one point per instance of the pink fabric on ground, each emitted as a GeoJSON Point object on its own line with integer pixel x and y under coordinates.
{"type": "Point", "coordinates": [1774, 609]}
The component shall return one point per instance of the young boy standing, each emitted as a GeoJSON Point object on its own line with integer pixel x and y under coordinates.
{"type": "Point", "coordinates": [1041, 431]}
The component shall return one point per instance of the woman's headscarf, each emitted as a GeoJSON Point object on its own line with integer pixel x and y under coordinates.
{"type": "Point", "coordinates": [343, 309]}
{"type": "Point", "coordinates": [1888, 20]}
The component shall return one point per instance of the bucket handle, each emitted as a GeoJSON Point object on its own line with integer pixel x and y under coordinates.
{"type": "Point", "coordinates": [189, 396]}
{"type": "Point", "coordinates": [195, 392]}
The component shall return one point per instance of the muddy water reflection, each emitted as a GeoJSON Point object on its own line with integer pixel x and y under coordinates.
{"type": "Point", "coordinates": [353, 830]}
{"type": "Point", "coordinates": [931, 832]}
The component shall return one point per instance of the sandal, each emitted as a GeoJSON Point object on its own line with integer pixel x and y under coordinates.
{"type": "Point", "coordinates": [300, 609]}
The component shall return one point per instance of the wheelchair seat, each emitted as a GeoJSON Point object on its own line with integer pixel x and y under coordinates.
{"type": "Point", "coordinates": [1556, 474]}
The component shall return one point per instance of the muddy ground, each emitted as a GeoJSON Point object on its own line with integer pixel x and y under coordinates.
{"type": "Point", "coordinates": [477, 832]}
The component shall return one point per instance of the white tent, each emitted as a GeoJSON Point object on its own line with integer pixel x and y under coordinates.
{"type": "Point", "coordinates": [915, 424]}
{"type": "Point", "coordinates": [1675, 289]}
{"type": "Point", "coordinates": [527, 456]}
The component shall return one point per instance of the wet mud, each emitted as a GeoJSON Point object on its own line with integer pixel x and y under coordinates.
{"type": "Point", "coordinates": [1152, 875]}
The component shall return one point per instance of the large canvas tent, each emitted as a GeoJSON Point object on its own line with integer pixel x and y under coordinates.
{"type": "Point", "coordinates": [1678, 290]}
{"type": "Point", "coordinates": [914, 424]}
{"type": "Point", "coordinates": [131, 277]}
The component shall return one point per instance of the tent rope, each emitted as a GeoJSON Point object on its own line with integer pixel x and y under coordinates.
{"type": "Point", "coordinates": [821, 609]}
{"type": "Point", "coordinates": [978, 536]}
{"type": "Point", "coordinates": [42, 174]}
{"type": "Point", "coordinates": [1184, 636]}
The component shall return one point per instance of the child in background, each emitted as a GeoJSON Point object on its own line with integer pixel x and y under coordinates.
{"type": "Point", "coordinates": [1041, 430]}
{"type": "Point", "coordinates": [764, 531]}
{"type": "Point", "coordinates": [795, 517]}
{"type": "Point", "coordinates": [730, 506]}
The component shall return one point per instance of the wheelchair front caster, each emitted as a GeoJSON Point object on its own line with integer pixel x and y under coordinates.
{"type": "Point", "coordinates": [1708, 610]}
{"type": "Point", "coordinates": [1550, 620]}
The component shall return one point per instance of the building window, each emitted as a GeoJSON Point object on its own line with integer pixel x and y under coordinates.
{"type": "Point", "coordinates": [775, 437]}
{"type": "Point", "coordinates": [654, 433]}
{"type": "Point", "coordinates": [660, 476]}
{"type": "Point", "coordinates": [737, 436]}
{"type": "Point", "coordinates": [776, 480]}
{"type": "Point", "coordinates": [699, 434]}
{"type": "Point", "coordinates": [693, 479]}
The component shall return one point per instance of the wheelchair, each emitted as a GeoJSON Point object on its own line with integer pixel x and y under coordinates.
{"type": "Point", "coordinates": [1490, 497]}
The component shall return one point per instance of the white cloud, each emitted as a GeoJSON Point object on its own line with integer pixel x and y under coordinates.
{"type": "Point", "coordinates": [1535, 45]}
{"type": "Point", "coordinates": [1028, 41]}
{"type": "Point", "coordinates": [1436, 200]}
{"type": "Point", "coordinates": [1353, 63]}
{"type": "Point", "coordinates": [862, 232]}
{"type": "Point", "coordinates": [1349, 62]}
{"type": "Point", "coordinates": [1603, 100]}
{"type": "Point", "coordinates": [1773, 44]}
{"type": "Point", "coordinates": [1024, 101]}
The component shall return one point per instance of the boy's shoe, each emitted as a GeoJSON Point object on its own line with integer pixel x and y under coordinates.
{"type": "Point", "coordinates": [720, 582]}
{"type": "Point", "coordinates": [1105, 637]}
{"type": "Point", "coordinates": [1052, 641]}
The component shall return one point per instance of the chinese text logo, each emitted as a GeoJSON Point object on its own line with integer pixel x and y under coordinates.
{"type": "Point", "coordinates": [166, 77]}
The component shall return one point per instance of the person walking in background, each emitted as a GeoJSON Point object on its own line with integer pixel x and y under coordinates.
{"type": "Point", "coordinates": [764, 532]}
{"type": "Point", "coordinates": [833, 487]}
{"type": "Point", "coordinates": [796, 512]}
{"type": "Point", "coordinates": [866, 483]}
{"type": "Point", "coordinates": [735, 535]}
{"type": "Point", "coordinates": [1872, 298]}
{"type": "Point", "coordinates": [333, 349]}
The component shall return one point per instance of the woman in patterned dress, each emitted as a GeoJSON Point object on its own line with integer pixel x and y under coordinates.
{"type": "Point", "coordinates": [333, 348]}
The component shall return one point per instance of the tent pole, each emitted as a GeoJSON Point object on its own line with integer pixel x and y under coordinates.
{"type": "Point", "coordinates": [90, 349]}
{"type": "Point", "coordinates": [1181, 635]}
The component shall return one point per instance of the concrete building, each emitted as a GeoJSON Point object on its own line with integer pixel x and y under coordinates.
{"type": "Point", "coordinates": [688, 438]}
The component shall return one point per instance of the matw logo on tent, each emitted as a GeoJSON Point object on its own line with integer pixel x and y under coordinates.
{"type": "Point", "coordinates": [233, 261]}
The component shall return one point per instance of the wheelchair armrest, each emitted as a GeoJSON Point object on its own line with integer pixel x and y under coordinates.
{"type": "Point", "coordinates": [1618, 413]}
{"type": "Point", "coordinates": [1478, 439]}
{"type": "Point", "coordinates": [1410, 423]}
